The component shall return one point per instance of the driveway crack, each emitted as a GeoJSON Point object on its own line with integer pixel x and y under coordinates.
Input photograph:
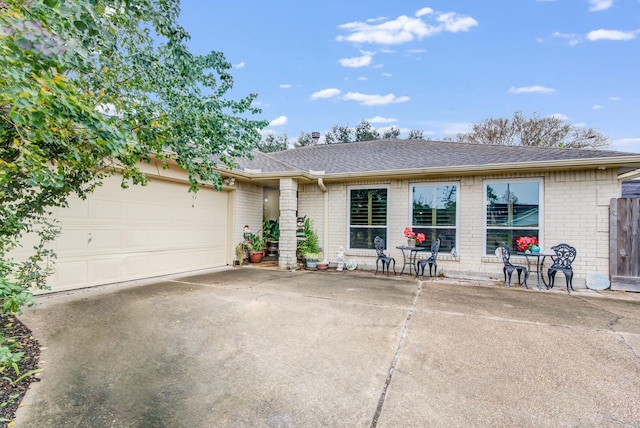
{"type": "Point", "coordinates": [396, 357]}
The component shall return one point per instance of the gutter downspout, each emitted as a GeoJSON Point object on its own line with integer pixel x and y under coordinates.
{"type": "Point", "coordinates": [325, 228]}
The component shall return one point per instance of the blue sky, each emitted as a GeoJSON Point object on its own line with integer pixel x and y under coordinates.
{"type": "Point", "coordinates": [435, 66]}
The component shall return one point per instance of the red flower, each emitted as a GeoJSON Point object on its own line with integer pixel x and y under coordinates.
{"type": "Point", "coordinates": [524, 243]}
{"type": "Point", "coordinates": [408, 232]}
{"type": "Point", "coordinates": [420, 238]}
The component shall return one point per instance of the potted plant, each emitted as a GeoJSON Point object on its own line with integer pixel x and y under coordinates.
{"type": "Point", "coordinates": [311, 259]}
{"type": "Point", "coordinates": [271, 235]}
{"type": "Point", "coordinates": [309, 246]}
{"type": "Point", "coordinates": [257, 248]}
{"type": "Point", "coordinates": [250, 247]}
{"type": "Point", "coordinates": [528, 244]}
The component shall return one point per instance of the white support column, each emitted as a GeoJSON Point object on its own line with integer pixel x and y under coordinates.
{"type": "Point", "coordinates": [288, 243]}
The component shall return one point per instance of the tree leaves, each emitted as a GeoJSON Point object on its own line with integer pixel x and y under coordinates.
{"type": "Point", "coordinates": [88, 88]}
{"type": "Point", "coordinates": [534, 131]}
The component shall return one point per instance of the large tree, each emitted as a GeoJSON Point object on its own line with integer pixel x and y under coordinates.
{"type": "Point", "coordinates": [549, 131]}
{"type": "Point", "coordinates": [93, 87]}
{"type": "Point", "coordinates": [273, 143]}
{"type": "Point", "coordinates": [365, 132]}
{"type": "Point", "coordinates": [339, 134]}
{"type": "Point", "coordinates": [304, 139]}
{"type": "Point", "coordinates": [391, 133]}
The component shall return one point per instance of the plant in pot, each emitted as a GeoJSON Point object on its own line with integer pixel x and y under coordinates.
{"type": "Point", "coordinates": [311, 259]}
{"type": "Point", "coordinates": [245, 248]}
{"type": "Point", "coordinates": [257, 251]}
{"type": "Point", "coordinates": [309, 247]}
{"type": "Point", "coordinates": [271, 235]}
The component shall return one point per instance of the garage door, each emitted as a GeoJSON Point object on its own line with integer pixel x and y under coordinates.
{"type": "Point", "coordinates": [125, 234]}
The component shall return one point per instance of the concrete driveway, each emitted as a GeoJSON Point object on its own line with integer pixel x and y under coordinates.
{"type": "Point", "coordinates": [266, 348]}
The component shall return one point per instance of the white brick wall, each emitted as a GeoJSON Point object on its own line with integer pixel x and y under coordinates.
{"type": "Point", "coordinates": [247, 210]}
{"type": "Point", "coordinates": [575, 211]}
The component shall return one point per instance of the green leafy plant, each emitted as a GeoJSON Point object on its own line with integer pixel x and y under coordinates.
{"type": "Point", "coordinates": [257, 243]}
{"type": "Point", "coordinates": [93, 88]}
{"type": "Point", "coordinates": [310, 245]}
{"type": "Point", "coordinates": [271, 230]}
{"type": "Point", "coordinates": [240, 248]}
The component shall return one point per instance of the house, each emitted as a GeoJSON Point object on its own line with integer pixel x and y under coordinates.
{"type": "Point", "coordinates": [469, 196]}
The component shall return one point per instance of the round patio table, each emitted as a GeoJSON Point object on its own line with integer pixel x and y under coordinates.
{"type": "Point", "coordinates": [409, 255]}
{"type": "Point", "coordinates": [539, 264]}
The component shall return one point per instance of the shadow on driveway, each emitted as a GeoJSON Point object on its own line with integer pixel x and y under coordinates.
{"type": "Point", "coordinates": [267, 348]}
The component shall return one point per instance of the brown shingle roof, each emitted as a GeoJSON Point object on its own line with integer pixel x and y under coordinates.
{"type": "Point", "coordinates": [396, 154]}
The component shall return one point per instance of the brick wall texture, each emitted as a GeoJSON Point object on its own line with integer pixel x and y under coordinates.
{"type": "Point", "coordinates": [575, 210]}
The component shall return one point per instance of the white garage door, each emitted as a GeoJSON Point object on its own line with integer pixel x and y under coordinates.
{"type": "Point", "coordinates": [124, 234]}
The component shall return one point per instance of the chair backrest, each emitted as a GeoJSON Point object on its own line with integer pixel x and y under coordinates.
{"type": "Point", "coordinates": [565, 255]}
{"type": "Point", "coordinates": [505, 252]}
{"type": "Point", "coordinates": [435, 247]}
{"type": "Point", "coordinates": [380, 246]}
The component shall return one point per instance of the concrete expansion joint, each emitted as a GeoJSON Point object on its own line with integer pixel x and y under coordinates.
{"type": "Point", "coordinates": [396, 358]}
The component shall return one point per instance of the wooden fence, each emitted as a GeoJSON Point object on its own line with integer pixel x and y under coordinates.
{"type": "Point", "coordinates": [624, 244]}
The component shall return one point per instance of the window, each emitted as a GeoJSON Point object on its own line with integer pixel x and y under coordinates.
{"type": "Point", "coordinates": [367, 216]}
{"type": "Point", "coordinates": [513, 210]}
{"type": "Point", "coordinates": [434, 212]}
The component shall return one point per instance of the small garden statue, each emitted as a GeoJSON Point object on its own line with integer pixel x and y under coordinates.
{"type": "Point", "coordinates": [340, 259]}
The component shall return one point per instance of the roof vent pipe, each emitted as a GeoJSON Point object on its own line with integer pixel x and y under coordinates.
{"type": "Point", "coordinates": [315, 136]}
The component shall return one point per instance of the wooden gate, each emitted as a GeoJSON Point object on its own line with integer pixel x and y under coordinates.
{"type": "Point", "coordinates": [624, 244]}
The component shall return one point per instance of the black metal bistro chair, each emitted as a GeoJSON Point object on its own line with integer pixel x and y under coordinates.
{"type": "Point", "coordinates": [431, 261]}
{"type": "Point", "coordinates": [385, 259]}
{"type": "Point", "coordinates": [565, 255]}
{"type": "Point", "coordinates": [508, 268]}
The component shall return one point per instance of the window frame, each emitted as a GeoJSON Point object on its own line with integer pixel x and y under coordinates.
{"type": "Point", "coordinates": [350, 188]}
{"type": "Point", "coordinates": [457, 185]}
{"type": "Point", "coordinates": [540, 228]}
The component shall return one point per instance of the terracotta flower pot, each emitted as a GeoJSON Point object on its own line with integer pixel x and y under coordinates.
{"type": "Point", "coordinates": [256, 257]}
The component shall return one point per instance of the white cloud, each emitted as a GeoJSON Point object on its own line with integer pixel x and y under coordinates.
{"type": "Point", "coordinates": [416, 51]}
{"type": "Point", "coordinates": [374, 100]}
{"type": "Point", "coordinates": [279, 121]}
{"type": "Point", "coordinates": [615, 99]}
{"type": "Point", "coordinates": [363, 78]}
{"type": "Point", "coordinates": [285, 86]}
{"type": "Point", "coordinates": [424, 11]}
{"type": "Point", "coordinates": [240, 65]}
{"type": "Point", "coordinates": [380, 119]}
{"type": "Point", "coordinates": [358, 61]}
{"type": "Point", "coordinates": [598, 5]}
{"type": "Point", "coordinates": [387, 75]}
{"type": "Point", "coordinates": [611, 35]}
{"type": "Point", "coordinates": [570, 37]}
{"type": "Point", "coordinates": [455, 23]}
{"type": "Point", "coordinates": [404, 29]}
{"type": "Point", "coordinates": [325, 93]}
{"type": "Point", "coordinates": [626, 145]}
{"type": "Point", "coordinates": [560, 116]}
{"type": "Point", "coordinates": [530, 90]}
{"type": "Point", "coordinates": [596, 107]}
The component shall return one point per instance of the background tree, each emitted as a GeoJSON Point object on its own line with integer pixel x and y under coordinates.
{"type": "Point", "coordinates": [391, 133]}
{"type": "Point", "coordinates": [365, 132]}
{"type": "Point", "coordinates": [339, 134]}
{"type": "Point", "coordinates": [415, 134]}
{"type": "Point", "coordinates": [304, 139]}
{"type": "Point", "coordinates": [535, 131]}
{"type": "Point", "coordinates": [85, 91]}
{"type": "Point", "coordinates": [273, 143]}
